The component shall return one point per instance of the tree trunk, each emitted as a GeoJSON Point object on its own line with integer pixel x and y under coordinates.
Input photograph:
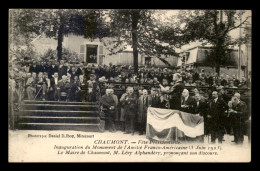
{"type": "Point", "coordinates": [135, 18]}
{"type": "Point", "coordinates": [218, 69]}
{"type": "Point", "coordinates": [60, 40]}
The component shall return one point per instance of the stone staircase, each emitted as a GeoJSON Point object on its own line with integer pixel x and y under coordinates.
{"type": "Point", "coordinates": [58, 115]}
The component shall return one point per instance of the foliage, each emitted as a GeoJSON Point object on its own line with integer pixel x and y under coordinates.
{"type": "Point", "coordinates": [54, 23]}
{"type": "Point", "coordinates": [210, 26]}
{"type": "Point", "coordinates": [136, 28]}
{"type": "Point", "coordinates": [67, 55]}
{"type": "Point", "coordinates": [50, 54]}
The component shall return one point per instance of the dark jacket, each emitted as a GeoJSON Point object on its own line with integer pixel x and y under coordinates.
{"type": "Point", "coordinates": [52, 82]}
{"type": "Point", "coordinates": [190, 102]}
{"type": "Point", "coordinates": [217, 113]}
{"type": "Point", "coordinates": [201, 108]}
{"type": "Point", "coordinates": [80, 71]}
{"type": "Point", "coordinates": [73, 75]}
{"type": "Point", "coordinates": [130, 104]}
{"type": "Point", "coordinates": [62, 71]}
{"type": "Point", "coordinates": [155, 101]}
{"type": "Point", "coordinates": [34, 69]}
{"type": "Point", "coordinates": [217, 110]}
{"type": "Point", "coordinates": [52, 70]}
{"type": "Point", "coordinates": [241, 109]}
{"type": "Point", "coordinates": [175, 101]}
{"type": "Point", "coordinates": [107, 101]}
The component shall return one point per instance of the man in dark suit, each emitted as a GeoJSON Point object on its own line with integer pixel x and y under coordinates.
{"type": "Point", "coordinates": [176, 92]}
{"type": "Point", "coordinates": [52, 69]}
{"type": "Point", "coordinates": [216, 116]}
{"type": "Point", "coordinates": [187, 102]}
{"type": "Point", "coordinates": [92, 88]}
{"type": "Point", "coordinates": [41, 86]}
{"type": "Point", "coordinates": [155, 98]}
{"type": "Point", "coordinates": [130, 106]}
{"type": "Point", "coordinates": [34, 68]}
{"type": "Point", "coordinates": [64, 88]}
{"type": "Point", "coordinates": [43, 67]}
{"type": "Point", "coordinates": [74, 93]}
{"type": "Point", "coordinates": [73, 73]}
{"type": "Point", "coordinates": [195, 76]}
{"type": "Point", "coordinates": [31, 86]}
{"type": "Point", "coordinates": [62, 69]}
{"type": "Point", "coordinates": [238, 115]}
{"type": "Point", "coordinates": [83, 89]}
{"type": "Point", "coordinates": [144, 102]}
{"type": "Point", "coordinates": [53, 87]}
{"type": "Point", "coordinates": [109, 104]}
{"type": "Point", "coordinates": [201, 109]}
{"type": "Point", "coordinates": [80, 70]}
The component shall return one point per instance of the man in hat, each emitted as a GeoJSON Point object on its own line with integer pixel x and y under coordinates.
{"type": "Point", "coordinates": [31, 86]}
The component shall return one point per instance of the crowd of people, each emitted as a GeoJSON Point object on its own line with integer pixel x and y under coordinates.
{"type": "Point", "coordinates": [220, 116]}
{"type": "Point", "coordinates": [127, 111]}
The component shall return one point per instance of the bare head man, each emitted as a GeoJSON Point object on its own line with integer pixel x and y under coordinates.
{"type": "Point", "coordinates": [237, 95]}
{"type": "Point", "coordinates": [81, 77]}
{"type": "Point", "coordinates": [40, 74]}
{"type": "Point", "coordinates": [235, 100]}
{"type": "Point", "coordinates": [145, 92]}
{"type": "Point", "coordinates": [28, 75]}
{"type": "Point", "coordinates": [108, 91]}
{"type": "Point", "coordinates": [55, 75]}
{"type": "Point", "coordinates": [176, 77]}
{"type": "Point", "coordinates": [112, 91]}
{"type": "Point", "coordinates": [185, 93]}
{"type": "Point", "coordinates": [214, 94]}
{"type": "Point", "coordinates": [34, 74]}
{"type": "Point", "coordinates": [130, 90]}
{"type": "Point", "coordinates": [197, 97]}
{"type": "Point", "coordinates": [64, 78]}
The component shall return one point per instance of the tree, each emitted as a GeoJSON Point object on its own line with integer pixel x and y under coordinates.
{"type": "Point", "coordinates": [137, 28]}
{"type": "Point", "coordinates": [209, 26]}
{"type": "Point", "coordinates": [21, 34]}
{"type": "Point", "coordinates": [54, 23]}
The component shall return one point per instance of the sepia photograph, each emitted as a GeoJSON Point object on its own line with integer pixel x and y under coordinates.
{"type": "Point", "coordinates": [129, 85]}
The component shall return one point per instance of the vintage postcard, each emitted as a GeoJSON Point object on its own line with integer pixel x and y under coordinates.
{"type": "Point", "coordinates": [129, 85]}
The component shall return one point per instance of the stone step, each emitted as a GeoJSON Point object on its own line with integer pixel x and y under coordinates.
{"type": "Point", "coordinates": [59, 113]}
{"type": "Point", "coordinates": [66, 107]}
{"type": "Point", "coordinates": [48, 119]}
{"type": "Point", "coordinates": [57, 102]}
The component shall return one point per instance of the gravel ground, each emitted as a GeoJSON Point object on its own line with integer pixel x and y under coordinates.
{"type": "Point", "coordinates": [25, 147]}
